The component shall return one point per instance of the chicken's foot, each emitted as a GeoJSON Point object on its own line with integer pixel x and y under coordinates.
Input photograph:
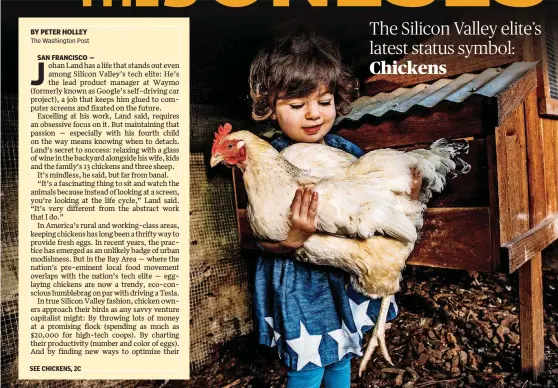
{"type": "Point", "coordinates": [378, 337]}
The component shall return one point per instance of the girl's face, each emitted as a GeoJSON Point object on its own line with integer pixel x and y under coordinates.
{"type": "Point", "coordinates": [307, 119]}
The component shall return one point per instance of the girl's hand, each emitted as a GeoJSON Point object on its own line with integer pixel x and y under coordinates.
{"type": "Point", "coordinates": [303, 213]}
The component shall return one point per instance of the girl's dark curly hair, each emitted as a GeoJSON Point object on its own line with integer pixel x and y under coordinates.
{"type": "Point", "coordinates": [296, 65]}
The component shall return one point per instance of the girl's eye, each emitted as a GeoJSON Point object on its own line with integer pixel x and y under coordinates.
{"type": "Point", "coordinates": [296, 106]}
{"type": "Point", "coordinates": [325, 103]}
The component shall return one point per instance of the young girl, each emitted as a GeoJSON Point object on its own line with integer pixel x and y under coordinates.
{"type": "Point", "coordinates": [311, 313]}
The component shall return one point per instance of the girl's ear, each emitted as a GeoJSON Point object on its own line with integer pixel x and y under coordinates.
{"type": "Point", "coordinates": [273, 116]}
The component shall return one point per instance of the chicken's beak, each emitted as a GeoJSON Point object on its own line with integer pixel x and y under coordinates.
{"type": "Point", "coordinates": [215, 160]}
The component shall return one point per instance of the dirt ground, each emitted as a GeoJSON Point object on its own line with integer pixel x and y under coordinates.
{"type": "Point", "coordinates": [455, 329]}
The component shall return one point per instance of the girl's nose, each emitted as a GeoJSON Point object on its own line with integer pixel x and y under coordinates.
{"type": "Point", "coordinates": [313, 112]}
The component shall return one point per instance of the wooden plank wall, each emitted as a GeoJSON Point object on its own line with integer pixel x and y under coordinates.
{"type": "Point", "coordinates": [550, 144]}
{"type": "Point", "coordinates": [536, 161]}
{"type": "Point", "coordinates": [456, 238]}
{"type": "Point", "coordinates": [513, 189]}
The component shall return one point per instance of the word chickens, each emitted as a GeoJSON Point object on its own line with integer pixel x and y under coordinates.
{"type": "Point", "coordinates": [366, 220]}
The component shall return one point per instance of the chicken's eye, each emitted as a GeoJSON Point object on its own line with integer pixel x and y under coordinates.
{"type": "Point", "coordinates": [230, 146]}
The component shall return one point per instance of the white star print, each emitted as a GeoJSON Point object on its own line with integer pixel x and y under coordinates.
{"type": "Point", "coordinates": [347, 341]}
{"type": "Point", "coordinates": [306, 347]}
{"type": "Point", "coordinates": [276, 335]}
{"type": "Point", "coordinates": [359, 315]}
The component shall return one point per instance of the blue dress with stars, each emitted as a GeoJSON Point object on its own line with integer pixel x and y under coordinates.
{"type": "Point", "coordinates": [311, 313]}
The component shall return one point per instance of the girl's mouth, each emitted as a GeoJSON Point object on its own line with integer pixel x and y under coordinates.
{"type": "Point", "coordinates": [312, 130]}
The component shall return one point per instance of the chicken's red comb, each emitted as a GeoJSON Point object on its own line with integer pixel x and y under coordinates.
{"type": "Point", "coordinates": [223, 131]}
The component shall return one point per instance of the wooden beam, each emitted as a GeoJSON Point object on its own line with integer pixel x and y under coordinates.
{"type": "Point", "coordinates": [513, 192]}
{"type": "Point", "coordinates": [550, 156]}
{"type": "Point", "coordinates": [530, 274]}
{"type": "Point", "coordinates": [539, 53]}
{"type": "Point", "coordinates": [548, 107]}
{"type": "Point", "coordinates": [535, 161]}
{"type": "Point", "coordinates": [509, 100]}
{"type": "Point", "coordinates": [494, 202]}
{"type": "Point", "coordinates": [239, 196]}
{"type": "Point", "coordinates": [531, 313]}
{"type": "Point", "coordinates": [534, 49]}
{"type": "Point", "coordinates": [524, 247]}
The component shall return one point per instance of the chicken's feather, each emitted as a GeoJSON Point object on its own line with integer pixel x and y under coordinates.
{"type": "Point", "coordinates": [324, 162]}
{"type": "Point", "coordinates": [360, 207]}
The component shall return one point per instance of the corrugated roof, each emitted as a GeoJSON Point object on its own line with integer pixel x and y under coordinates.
{"type": "Point", "coordinates": [489, 83]}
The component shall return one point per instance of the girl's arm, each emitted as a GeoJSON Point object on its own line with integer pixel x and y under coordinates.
{"type": "Point", "coordinates": [303, 214]}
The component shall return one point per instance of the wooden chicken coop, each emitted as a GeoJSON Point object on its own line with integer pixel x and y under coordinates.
{"type": "Point", "coordinates": [500, 216]}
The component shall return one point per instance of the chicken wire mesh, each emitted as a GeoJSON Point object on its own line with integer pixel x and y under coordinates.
{"type": "Point", "coordinates": [219, 300]}
{"type": "Point", "coordinates": [9, 316]}
{"type": "Point", "coordinates": [552, 55]}
{"type": "Point", "coordinates": [205, 119]}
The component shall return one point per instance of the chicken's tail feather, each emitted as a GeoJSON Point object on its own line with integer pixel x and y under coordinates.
{"type": "Point", "coordinates": [441, 161]}
{"type": "Point", "coordinates": [451, 147]}
{"type": "Point", "coordinates": [461, 168]}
